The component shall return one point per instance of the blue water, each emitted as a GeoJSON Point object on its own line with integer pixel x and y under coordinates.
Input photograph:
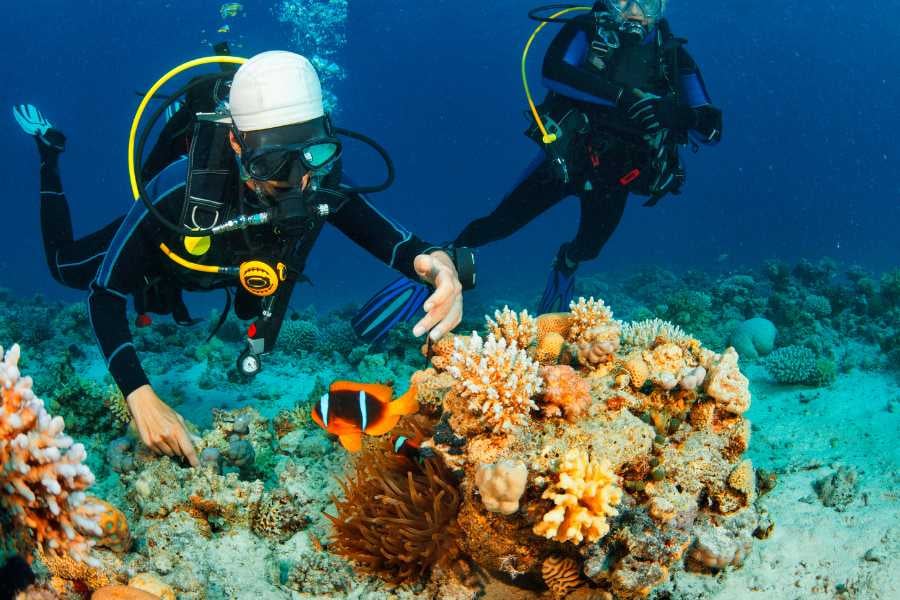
{"type": "Point", "coordinates": [808, 166]}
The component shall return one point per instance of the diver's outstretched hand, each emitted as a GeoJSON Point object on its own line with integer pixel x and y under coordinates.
{"type": "Point", "coordinates": [34, 123]}
{"type": "Point", "coordinates": [445, 305]}
{"type": "Point", "coordinates": [161, 428]}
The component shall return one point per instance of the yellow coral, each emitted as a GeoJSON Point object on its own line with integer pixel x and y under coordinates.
{"type": "Point", "coordinates": [65, 568]}
{"type": "Point", "coordinates": [549, 348]}
{"type": "Point", "coordinates": [115, 401]}
{"type": "Point", "coordinates": [587, 315]}
{"type": "Point", "coordinates": [553, 323]}
{"type": "Point", "coordinates": [565, 392]}
{"type": "Point", "coordinates": [150, 583]}
{"type": "Point", "coordinates": [637, 369]}
{"type": "Point", "coordinates": [585, 496]}
{"type": "Point", "coordinates": [497, 381]}
{"type": "Point", "coordinates": [519, 328]}
{"type": "Point", "coordinates": [561, 575]}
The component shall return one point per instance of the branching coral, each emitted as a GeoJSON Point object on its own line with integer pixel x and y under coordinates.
{"type": "Point", "coordinates": [397, 518]}
{"type": "Point", "coordinates": [587, 315]}
{"type": "Point", "coordinates": [640, 334]}
{"type": "Point", "coordinates": [796, 364]}
{"type": "Point", "coordinates": [519, 328]}
{"type": "Point", "coordinates": [585, 495]}
{"type": "Point", "coordinates": [42, 475]}
{"type": "Point", "coordinates": [496, 380]}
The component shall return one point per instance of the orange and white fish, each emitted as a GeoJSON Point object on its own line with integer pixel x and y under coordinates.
{"type": "Point", "coordinates": [350, 409]}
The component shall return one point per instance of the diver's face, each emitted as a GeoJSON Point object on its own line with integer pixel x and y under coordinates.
{"type": "Point", "coordinates": [632, 12]}
{"type": "Point", "coordinates": [273, 189]}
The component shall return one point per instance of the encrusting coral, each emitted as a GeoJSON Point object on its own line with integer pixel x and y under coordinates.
{"type": "Point", "coordinates": [585, 496]}
{"type": "Point", "coordinates": [565, 393]}
{"type": "Point", "coordinates": [43, 477]}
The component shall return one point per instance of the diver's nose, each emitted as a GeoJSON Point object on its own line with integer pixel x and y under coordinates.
{"type": "Point", "coordinates": [634, 11]}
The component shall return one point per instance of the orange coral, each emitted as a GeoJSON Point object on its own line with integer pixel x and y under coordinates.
{"type": "Point", "coordinates": [519, 328]}
{"type": "Point", "coordinates": [565, 392]}
{"type": "Point", "coordinates": [122, 592]}
{"type": "Point", "coordinates": [549, 348]}
{"type": "Point", "coordinates": [116, 535]}
{"type": "Point", "coordinates": [64, 569]}
{"type": "Point", "coordinates": [559, 323]}
{"type": "Point", "coordinates": [42, 475]}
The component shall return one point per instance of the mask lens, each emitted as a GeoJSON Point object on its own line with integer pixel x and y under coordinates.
{"type": "Point", "coordinates": [273, 165]}
{"type": "Point", "coordinates": [318, 155]}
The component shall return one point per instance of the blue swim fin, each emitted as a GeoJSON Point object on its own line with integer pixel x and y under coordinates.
{"type": "Point", "coordinates": [560, 285]}
{"type": "Point", "coordinates": [395, 303]}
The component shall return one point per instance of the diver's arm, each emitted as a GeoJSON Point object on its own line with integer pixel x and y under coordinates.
{"type": "Point", "coordinates": [567, 72]}
{"type": "Point", "coordinates": [707, 127]}
{"type": "Point", "coordinates": [386, 240]}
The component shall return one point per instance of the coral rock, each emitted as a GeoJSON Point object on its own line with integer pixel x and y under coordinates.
{"type": "Point", "coordinates": [727, 385]}
{"type": "Point", "coordinates": [501, 485]}
{"type": "Point", "coordinates": [585, 496]}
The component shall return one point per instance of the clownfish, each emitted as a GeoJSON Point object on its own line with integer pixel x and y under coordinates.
{"type": "Point", "coordinates": [350, 409]}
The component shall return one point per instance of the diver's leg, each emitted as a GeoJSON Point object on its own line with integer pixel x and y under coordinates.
{"type": "Point", "coordinates": [601, 213]}
{"type": "Point", "coordinates": [537, 190]}
{"type": "Point", "coordinates": [73, 263]}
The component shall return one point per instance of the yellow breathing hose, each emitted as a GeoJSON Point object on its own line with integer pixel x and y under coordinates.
{"type": "Point", "coordinates": [132, 167]}
{"type": "Point", "coordinates": [548, 138]}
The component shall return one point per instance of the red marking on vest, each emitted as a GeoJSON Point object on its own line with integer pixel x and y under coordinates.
{"type": "Point", "coordinates": [630, 176]}
{"type": "Point", "coordinates": [595, 158]}
{"type": "Point", "coordinates": [143, 320]}
{"type": "Point", "coordinates": [251, 331]}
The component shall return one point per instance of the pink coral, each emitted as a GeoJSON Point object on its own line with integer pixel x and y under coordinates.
{"type": "Point", "coordinates": [565, 392]}
{"type": "Point", "coordinates": [42, 475]}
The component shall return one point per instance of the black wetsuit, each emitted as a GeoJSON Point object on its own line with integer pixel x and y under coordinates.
{"type": "Point", "coordinates": [124, 259]}
{"type": "Point", "coordinates": [604, 160]}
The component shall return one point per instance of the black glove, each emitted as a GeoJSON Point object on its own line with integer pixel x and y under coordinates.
{"type": "Point", "coordinates": [650, 112]}
{"type": "Point", "coordinates": [709, 123]}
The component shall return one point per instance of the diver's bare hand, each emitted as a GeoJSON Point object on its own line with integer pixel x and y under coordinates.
{"type": "Point", "coordinates": [161, 428]}
{"type": "Point", "coordinates": [445, 305]}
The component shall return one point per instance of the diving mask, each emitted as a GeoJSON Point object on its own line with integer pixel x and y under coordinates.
{"type": "Point", "coordinates": [287, 153]}
{"type": "Point", "coordinates": [650, 10]}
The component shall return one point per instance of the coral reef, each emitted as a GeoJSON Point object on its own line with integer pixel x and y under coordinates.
{"type": "Point", "coordinates": [520, 329]}
{"type": "Point", "coordinates": [618, 458]}
{"type": "Point", "coordinates": [799, 365]}
{"type": "Point", "coordinates": [754, 338]}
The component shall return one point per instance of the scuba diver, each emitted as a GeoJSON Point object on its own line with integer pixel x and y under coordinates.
{"type": "Point", "coordinates": [261, 176]}
{"type": "Point", "coordinates": [624, 94]}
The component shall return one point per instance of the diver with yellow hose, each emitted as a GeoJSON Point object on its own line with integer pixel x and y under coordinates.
{"type": "Point", "coordinates": [624, 95]}
{"type": "Point", "coordinates": [259, 177]}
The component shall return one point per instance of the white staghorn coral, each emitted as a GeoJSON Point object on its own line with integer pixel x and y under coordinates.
{"type": "Point", "coordinates": [497, 380]}
{"type": "Point", "coordinates": [520, 328]}
{"type": "Point", "coordinates": [642, 334]}
{"type": "Point", "coordinates": [42, 475]}
{"type": "Point", "coordinates": [585, 495]}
